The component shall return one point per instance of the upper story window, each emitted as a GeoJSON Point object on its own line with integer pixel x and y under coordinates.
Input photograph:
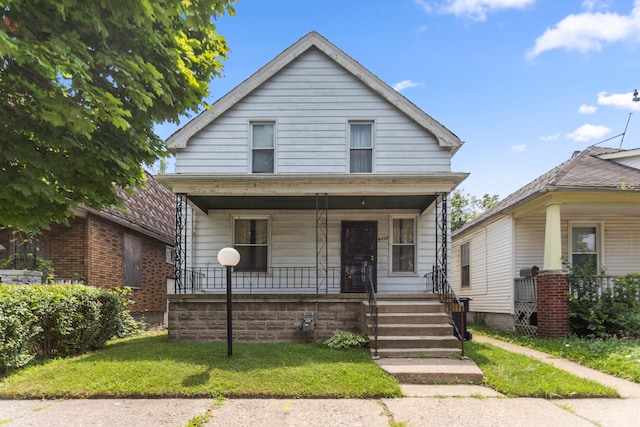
{"type": "Point", "coordinates": [403, 244]}
{"type": "Point", "coordinates": [361, 146]}
{"type": "Point", "coordinates": [465, 278]}
{"type": "Point", "coordinates": [585, 245]}
{"type": "Point", "coordinates": [262, 147]}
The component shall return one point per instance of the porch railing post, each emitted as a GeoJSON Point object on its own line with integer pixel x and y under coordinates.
{"type": "Point", "coordinates": [181, 243]}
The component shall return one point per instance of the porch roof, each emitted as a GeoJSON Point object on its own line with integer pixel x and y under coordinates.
{"type": "Point", "coordinates": [298, 191]}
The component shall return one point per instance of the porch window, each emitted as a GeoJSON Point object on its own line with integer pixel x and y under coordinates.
{"type": "Point", "coordinates": [403, 245]}
{"type": "Point", "coordinates": [251, 240]}
{"type": "Point", "coordinates": [361, 146]}
{"type": "Point", "coordinates": [465, 278]}
{"type": "Point", "coordinates": [585, 244]}
{"type": "Point", "coordinates": [262, 147]}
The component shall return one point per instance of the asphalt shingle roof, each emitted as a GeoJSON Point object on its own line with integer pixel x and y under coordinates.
{"type": "Point", "coordinates": [584, 170]}
{"type": "Point", "coordinates": [151, 208]}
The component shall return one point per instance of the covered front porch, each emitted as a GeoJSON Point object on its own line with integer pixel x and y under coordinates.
{"type": "Point", "coordinates": [303, 234]}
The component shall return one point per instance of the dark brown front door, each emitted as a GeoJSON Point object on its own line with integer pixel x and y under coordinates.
{"type": "Point", "coordinates": [359, 249]}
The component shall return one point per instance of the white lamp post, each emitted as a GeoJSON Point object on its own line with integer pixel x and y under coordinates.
{"type": "Point", "coordinates": [229, 257]}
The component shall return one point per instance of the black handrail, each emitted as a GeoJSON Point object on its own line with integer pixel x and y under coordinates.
{"type": "Point", "coordinates": [441, 286]}
{"type": "Point", "coordinates": [373, 306]}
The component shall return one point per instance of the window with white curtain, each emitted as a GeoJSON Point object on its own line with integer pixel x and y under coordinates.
{"type": "Point", "coordinates": [251, 240]}
{"type": "Point", "coordinates": [361, 146]}
{"type": "Point", "coordinates": [262, 147]}
{"type": "Point", "coordinates": [403, 243]}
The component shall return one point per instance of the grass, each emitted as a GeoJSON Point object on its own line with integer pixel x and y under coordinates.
{"type": "Point", "coordinates": [516, 375]}
{"type": "Point", "coordinates": [150, 366]}
{"type": "Point", "coordinates": [619, 357]}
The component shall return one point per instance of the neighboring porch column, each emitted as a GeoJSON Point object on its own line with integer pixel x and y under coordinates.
{"type": "Point", "coordinates": [552, 282]}
{"type": "Point", "coordinates": [552, 239]}
{"type": "Point", "coordinates": [553, 304]}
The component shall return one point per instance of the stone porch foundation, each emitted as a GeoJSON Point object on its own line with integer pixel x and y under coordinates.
{"type": "Point", "coordinates": [262, 318]}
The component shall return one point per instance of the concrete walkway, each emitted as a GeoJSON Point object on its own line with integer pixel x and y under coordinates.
{"type": "Point", "coordinates": [425, 405]}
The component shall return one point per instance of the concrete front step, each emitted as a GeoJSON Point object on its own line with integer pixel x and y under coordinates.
{"type": "Point", "coordinates": [395, 341]}
{"type": "Point", "coordinates": [398, 306]}
{"type": "Point", "coordinates": [437, 329]}
{"type": "Point", "coordinates": [403, 353]}
{"type": "Point", "coordinates": [411, 318]}
{"type": "Point", "coordinates": [432, 371]}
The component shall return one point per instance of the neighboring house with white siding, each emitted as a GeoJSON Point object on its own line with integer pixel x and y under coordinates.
{"type": "Point", "coordinates": [587, 207]}
{"type": "Point", "coordinates": [322, 176]}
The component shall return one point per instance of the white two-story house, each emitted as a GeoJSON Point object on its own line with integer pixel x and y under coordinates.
{"type": "Point", "coordinates": [322, 176]}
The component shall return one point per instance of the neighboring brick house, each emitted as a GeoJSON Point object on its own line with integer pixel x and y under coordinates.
{"type": "Point", "coordinates": [113, 248]}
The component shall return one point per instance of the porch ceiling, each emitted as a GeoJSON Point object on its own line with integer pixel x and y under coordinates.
{"type": "Point", "coordinates": [206, 203]}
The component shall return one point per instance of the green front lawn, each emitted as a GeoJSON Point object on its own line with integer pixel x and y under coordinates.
{"type": "Point", "coordinates": [619, 357]}
{"type": "Point", "coordinates": [150, 366]}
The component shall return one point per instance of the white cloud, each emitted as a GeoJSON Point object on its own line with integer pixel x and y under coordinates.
{"type": "Point", "coordinates": [550, 137]}
{"type": "Point", "coordinates": [474, 9]}
{"type": "Point", "coordinates": [405, 84]}
{"type": "Point", "coordinates": [519, 147]}
{"type": "Point", "coordinates": [423, 4]}
{"type": "Point", "coordinates": [422, 28]}
{"type": "Point", "coordinates": [588, 31]}
{"type": "Point", "coordinates": [587, 109]}
{"type": "Point", "coordinates": [619, 100]}
{"type": "Point", "coordinates": [588, 132]}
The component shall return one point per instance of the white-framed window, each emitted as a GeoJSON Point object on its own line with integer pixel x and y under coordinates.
{"type": "Point", "coordinates": [263, 142]}
{"type": "Point", "coordinates": [403, 244]}
{"type": "Point", "coordinates": [170, 254]}
{"type": "Point", "coordinates": [360, 146]}
{"type": "Point", "coordinates": [251, 240]}
{"type": "Point", "coordinates": [585, 243]}
{"type": "Point", "coordinates": [465, 272]}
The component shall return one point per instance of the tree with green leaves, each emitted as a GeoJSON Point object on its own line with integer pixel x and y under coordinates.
{"type": "Point", "coordinates": [465, 207]}
{"type": "Point", "coordinates": [82, 84]}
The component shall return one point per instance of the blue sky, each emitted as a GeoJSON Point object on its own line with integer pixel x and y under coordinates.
{"type": "Point", "coordinates": [524, 83]}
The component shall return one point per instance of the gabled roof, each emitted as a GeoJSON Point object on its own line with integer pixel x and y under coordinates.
{"type": "Point", "coordinates": [313, 40]}
{"type": "Point", "coordinates": [149, 210]}
{"type": "Point", "coordinates": [588, 170]}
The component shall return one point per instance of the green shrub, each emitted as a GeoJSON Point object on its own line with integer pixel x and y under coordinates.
{"type": "Point", "coordinates": [602, 313]}
{"type": "Point", "coordinates": [343, 339]}
{"type": "Point", "coordinates": [58, 320]}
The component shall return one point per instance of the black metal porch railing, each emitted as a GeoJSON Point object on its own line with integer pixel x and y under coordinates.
{"type": "Point", "coordinates": [274, 279]}
{"type": "Point", "coordinates": [438, 282]}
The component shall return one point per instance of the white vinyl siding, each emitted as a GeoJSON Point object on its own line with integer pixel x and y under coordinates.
{"type": "Point", "coordinates": [491, 268]}
{"type": "Point", "coordinates": [310, 100]}
{"type": "Point", "coordinates": [292, 242]}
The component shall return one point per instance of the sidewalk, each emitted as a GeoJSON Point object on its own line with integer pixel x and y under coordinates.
{"type": "Point", "coordinates": [426, 405]}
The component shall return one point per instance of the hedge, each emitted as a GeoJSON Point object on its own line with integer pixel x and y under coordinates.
{"type": "Point", "coordinates": [46, 321]}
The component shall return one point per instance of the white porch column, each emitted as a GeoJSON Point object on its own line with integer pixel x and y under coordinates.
{"type": "Point", "coordinates": [552, 239]}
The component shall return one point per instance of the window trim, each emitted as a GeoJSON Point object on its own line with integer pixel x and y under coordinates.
{"type": "Point", "coordinates": [415, 245]}
{"type": "Point", "coordinates": [372, 123]}
{"type": "Point", "coordinates": [465, 273]}
{"type": "Point", "coordinates": [599, 226]}
{"type": "Point", "coordinates": [251, 148]}
{"type": "Point", "coordinates": [234, 218]}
